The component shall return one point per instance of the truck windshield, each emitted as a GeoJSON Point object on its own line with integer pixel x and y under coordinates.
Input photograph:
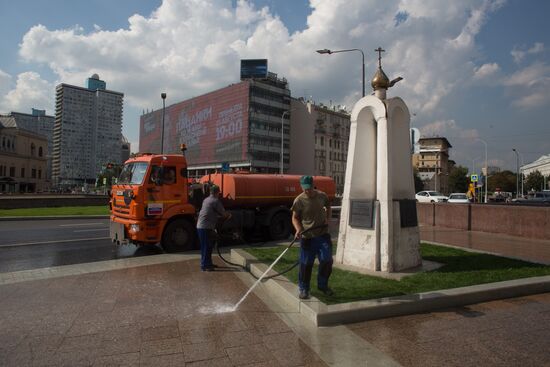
{"type": "Point", "coordinates": [133, 173]}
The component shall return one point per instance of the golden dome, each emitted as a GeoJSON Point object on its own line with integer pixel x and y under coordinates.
{"type": "Point", "coordinates": [380, 80]}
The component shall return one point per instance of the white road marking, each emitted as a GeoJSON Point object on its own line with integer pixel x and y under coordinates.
{"type": "Point", "coordinates": [48, 242]}
{"type": "Point", "coordinates": [80, 224]}
{"type": "Point", "coordinates": [90, 230]}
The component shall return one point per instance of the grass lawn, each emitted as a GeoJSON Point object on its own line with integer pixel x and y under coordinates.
{"type": "Point", "coordinates": [462, 268]}
{"type": "Point", "coordinates": [65, 210]}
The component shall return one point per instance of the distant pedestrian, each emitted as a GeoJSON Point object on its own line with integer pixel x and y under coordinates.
{"type": "Point", "coordinates": [212, 210]}
{"type": "Point", "coordinates": [312, 209]}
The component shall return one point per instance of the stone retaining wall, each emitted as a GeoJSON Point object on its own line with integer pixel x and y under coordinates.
{"type": "Point", "coordinates": [524, 221]}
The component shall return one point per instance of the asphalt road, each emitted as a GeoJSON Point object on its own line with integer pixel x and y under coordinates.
{"type": "Point", "coordinates": [32, 244]}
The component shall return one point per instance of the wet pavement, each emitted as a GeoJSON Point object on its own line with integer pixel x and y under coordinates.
{"type": "Point", "coordinates": [157, 315]}
{"type": "Point", "coordinates": [162, 310]}
{"type": "Point", "coordinates": [511, 332]}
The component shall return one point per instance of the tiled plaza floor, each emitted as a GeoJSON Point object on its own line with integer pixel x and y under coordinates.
{"type": "Point", "coordinates": [512, 332]}
{"type": "Point", "coordinates": [156, 315]}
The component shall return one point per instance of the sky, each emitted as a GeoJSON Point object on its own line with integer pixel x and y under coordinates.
{"type": "Point", "coordinates": [474, 71]}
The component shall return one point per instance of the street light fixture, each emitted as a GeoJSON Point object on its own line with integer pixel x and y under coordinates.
{"type": "Point", "coordinates": [517, 173]}
{"type": "Point", "coordinates": [163, 96]}
{"type": "Point", "coordinates": [283, 138]}
{"type": "Point", "coordinates": [327, 51]}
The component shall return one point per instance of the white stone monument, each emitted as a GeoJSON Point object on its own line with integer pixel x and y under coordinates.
{"type": "Point", "coordinates": [378, 222]}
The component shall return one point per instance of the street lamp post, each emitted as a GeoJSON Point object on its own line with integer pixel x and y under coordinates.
{"type": "Point", "coordinates": [474, 164]}
{"type": "Point", "coordinates": [327, 51]}
{"type": "Point", "coordinates": [486, 172]}
{"type": "Point", "coordinates": [517, 172]}
{"type": "Point", "coordinates": [163, 96]}
{"type": "Point", "coordinates": [283, 138]}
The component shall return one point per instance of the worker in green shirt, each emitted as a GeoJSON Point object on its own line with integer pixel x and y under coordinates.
{"type": "Point", "coordinates": [311, 209]}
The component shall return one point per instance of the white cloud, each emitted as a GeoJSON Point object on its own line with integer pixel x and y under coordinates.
{"type": "Point", "coordinates": [518, 54]}
{"type": "Point", "coordinates": [30, 91]}
{"type": "Point", "coordinates": [190, 47]}
{"type": "Point", "coordinates": [448, 128]}
{"type": "Point", "coordinates": [538, 47]}
{"type": "Point", "coordinates": [5, 81]}
{"type": "Point", "coordinates": [529, 86]}
{"type": "Point", "coordinates": [486, 70]}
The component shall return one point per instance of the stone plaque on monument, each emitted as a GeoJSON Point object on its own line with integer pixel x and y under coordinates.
{"type": "Point", "coordinates": [407, 212]}
{"type": "Point", "coordinates": [361, 213]}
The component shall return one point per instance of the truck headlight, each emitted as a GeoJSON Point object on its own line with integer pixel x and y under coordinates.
{"type": "Point", "coordinates": [134, 228]}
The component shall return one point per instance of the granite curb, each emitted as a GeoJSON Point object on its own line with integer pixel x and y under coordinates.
{"type": "Point", "coordinates": [327, 315]}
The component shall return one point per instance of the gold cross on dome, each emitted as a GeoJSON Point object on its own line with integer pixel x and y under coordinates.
{"type": "Point", "coordinates": [379, 50]}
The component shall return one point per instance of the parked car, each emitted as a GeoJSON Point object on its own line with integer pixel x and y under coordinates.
{"type": "Point", "coordinates": [538, 198]}
{"type": "Point", "coordinates": [430, 197]}
{"type": "Point", "coordinates": [458, 198]}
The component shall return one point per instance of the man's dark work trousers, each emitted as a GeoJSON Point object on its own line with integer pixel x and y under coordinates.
{"type": "Point", "coordinates": [320, 246]}
{"type": "Point", "coordinates": [206, 238]}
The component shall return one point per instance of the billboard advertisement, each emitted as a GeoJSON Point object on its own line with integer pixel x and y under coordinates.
{"type": "Point", "coordinates": [214, 127]}
{"type": "Point", "coordinates": [253, 68]}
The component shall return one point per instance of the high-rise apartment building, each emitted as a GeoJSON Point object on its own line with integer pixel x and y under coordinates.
{"type": "Point", "coordinates": [87, 132]}
{"type": "Point", "coordinates": [319, 140]}
{"type": "Point", "coordinates": [239, 125]}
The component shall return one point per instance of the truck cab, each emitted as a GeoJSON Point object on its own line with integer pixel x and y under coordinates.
{"type": "Point", "coordinates": [150, 203]}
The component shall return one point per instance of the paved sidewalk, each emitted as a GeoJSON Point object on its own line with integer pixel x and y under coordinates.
{"type": "Point", "coordinates": [505, 245]}
{"type": "Point", "coordinates": [507, 333]}
{"type": "Point", "coordinates": [159, 311]}
{"type": "Point", "coordinates": [156, 315]}
{"type": "Point", "coordinates": [162, 311]}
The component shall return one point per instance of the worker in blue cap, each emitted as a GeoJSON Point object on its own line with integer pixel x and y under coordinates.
{"type": "Point", "coordinates": [312, 209]}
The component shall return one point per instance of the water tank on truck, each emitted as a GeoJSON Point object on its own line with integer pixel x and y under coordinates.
{"type": "Point", "coordinates": [261, 202]}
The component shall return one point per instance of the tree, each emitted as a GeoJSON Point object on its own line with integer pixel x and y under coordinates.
{"type": "Point", "coordinates": [505, 181]}
{"type": "Point", "coordinates": [458, 179]}
{"type": "Point", "coordinates": [534, 181]}
{"type": "Point", "coordinates": [418, 184]}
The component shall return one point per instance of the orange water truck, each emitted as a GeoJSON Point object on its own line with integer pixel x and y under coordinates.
{"type": "Point", "coordinates": [154, 201]}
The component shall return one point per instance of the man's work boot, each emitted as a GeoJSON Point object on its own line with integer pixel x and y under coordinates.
{"type": "Point", "coordinates": [327, 291]}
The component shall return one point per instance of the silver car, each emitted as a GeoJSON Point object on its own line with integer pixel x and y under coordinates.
{"type": "Point", "coordinates": [458, 198]}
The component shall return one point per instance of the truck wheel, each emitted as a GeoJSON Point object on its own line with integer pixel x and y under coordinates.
{"type": "Point", "coordinates": [178, 236]}
{"type": "Point", "coordinates": [279, 228]}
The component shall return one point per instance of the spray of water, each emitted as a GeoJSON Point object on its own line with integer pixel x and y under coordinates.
{"type": "Point", "coordinates": [217, 309]}
{"type": "Point", "coordinates": [260, 279]}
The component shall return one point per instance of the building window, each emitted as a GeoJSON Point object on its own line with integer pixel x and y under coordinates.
{"type": "Point", "coordinates": [22, 172]}
{"type": "Point", "coordinates": [322, 141]}
{"type": "Point", "coordinates": [12, 171]}
{"type": "Point", "coordinates": [33, 173]}
{"type": "Point", "coordinates": [40, 152]}
{"type": "Point", "coordinates": [33, 149]}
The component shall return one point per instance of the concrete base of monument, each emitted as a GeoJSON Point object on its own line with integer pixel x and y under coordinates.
{"type": "Point", "coordinates": [322, 314]}
{"type": "Point", "coordinates": [426, 266]}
